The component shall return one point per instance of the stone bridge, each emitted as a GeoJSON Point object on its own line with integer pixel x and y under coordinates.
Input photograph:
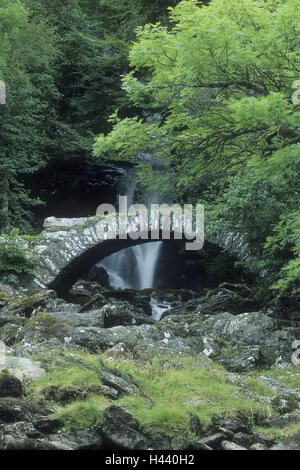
{"type": "Point", "coordinates": [68, 248]}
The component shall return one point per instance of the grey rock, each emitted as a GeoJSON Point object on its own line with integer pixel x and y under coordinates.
{"type": "Point", "coordinates": [181, 443]}
{"type": "Point", "coordinates": [119, 384]}
{"type": "Point", "coordinates": [43, 326]}
{"type": "Point", "coordinates": [264, 439]}
{"type": "Point", "coordinates": [108, 392]}
{"type": "Point", "coordinates": [225, 300]}
{"type": "Point", "coordinates": [87, 439]}
{"type": "Point", "coordinates": [96, 339]}
{"type": "Point", "coordinates": [228, 445]}
{"type": "Point", "coordinates": [91, 318]}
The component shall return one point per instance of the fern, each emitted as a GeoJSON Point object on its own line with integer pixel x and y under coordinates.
{"type": "Point", "coordinates": [15, 258]}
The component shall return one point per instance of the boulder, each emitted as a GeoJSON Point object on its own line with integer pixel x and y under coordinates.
{"type": "Point", "coordinates": [123, 313]}
{"type": "Point", "coordinates": [99, 275]}
{"type": "Point", "coordinates": [28, 304]}
{"type": "Point", "coordinates": [122, 386]}
{"type": "Point", "coordinates": [17, 409]}
{"type": "Point", "coordinates": [83, 291]}
{"type": "Point", "coordinates": [225, 300]}
{"type": "Point", "coordinates": [10, 333]}
{"type": "Point", "coordinates": [96, 339]}
{"type": "Point", "coordinates": [47, 425]}
{"type": "Point", "coordinates": [22, 368]}
{"type": "Point", "coordinates": [17, 439]}
{"type": "Point", "coordinates": [213, 441]}
{"type": "Point", "coordinates": [121, 430]}
{"type": "Point", "coordinates": [43, 326]}
{"type": "Point", "coordinates": [10, 386]}
{"type": "Point", "coordinates": [228, 445]}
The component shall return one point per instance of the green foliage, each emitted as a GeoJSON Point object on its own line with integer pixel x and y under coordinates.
{"type": "Point", "coordinates": [26, 121]}
{"type": "Point", "coordinates": [286, 238]}
{"type": "Point", "coordinates": [14, 257]}
{"type": "Point", "coordinates": [217, 86]}
{"type": "Point", "coordinates": [62, 63]}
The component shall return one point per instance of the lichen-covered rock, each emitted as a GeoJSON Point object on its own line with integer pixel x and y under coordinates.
{"type": "Point", "coordinates": [43, 326]}
{"type": "Point", "coordinates": [7, 319]}
{"type": "Point", "coordinates": [160, 342]}
{"type": "Point", "coordinates": [122, 313]}
{"type": "Point", "coordinates": [26, 305]}
{"type": "Point", "coordinates": [8, 295]}
{"type": "Point", "coordinates": [22, 367]}
{"type": "Point", "coordinates": [11, 333]}
{"type": "Point", "coordinates": [100, 339]}
{"type": "Point", "coordinates": [287, 444]}
{"type": "Point", "coordinates": [225, 300]}
{"type": "Point", "coordinates": [146, 349]}
{"type": "Point", "coordinates": [93, 318]}
{"type": "Point", "coordinates": [119, 351]}
{"type": "Point", "coordinates": [285, 403]}
{"type": "Point", "coordinates": [253, 329]}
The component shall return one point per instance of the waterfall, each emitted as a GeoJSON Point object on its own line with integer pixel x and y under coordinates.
{"type": "Point", "coordinates": [133, 267]}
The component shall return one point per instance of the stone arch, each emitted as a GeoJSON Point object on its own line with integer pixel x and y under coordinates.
{"type": "Point", "coordinates": [68, 248]}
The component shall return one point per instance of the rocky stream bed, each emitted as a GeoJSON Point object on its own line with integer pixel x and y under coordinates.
{"type": "Point", "coordinates": [98, 371]}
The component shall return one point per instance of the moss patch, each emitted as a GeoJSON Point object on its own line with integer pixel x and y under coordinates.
{"type": "Point", "coordinates": [83, 414]}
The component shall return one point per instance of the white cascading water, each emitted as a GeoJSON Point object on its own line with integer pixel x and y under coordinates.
{"type": "Point", "coordinates": [146, 256]}
{"type": "Point", "coordinates": [134, 267]}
